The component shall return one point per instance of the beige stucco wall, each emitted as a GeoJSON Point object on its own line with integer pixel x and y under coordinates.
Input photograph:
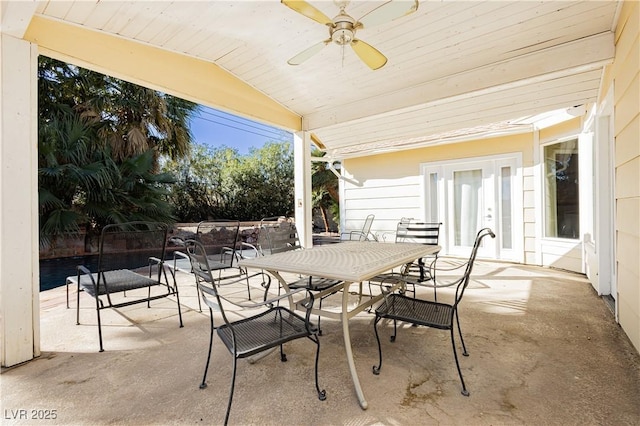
{"type": "Point", "coordinates": [624, 75]}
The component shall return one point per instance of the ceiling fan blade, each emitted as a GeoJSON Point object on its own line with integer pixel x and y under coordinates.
{"type": "Point", "coordinates": [307, 10]}
{"type": "Point", "coordinates": [308, 53]}
{"type": "Point", "coordinates": [388, 12]}
{"type": "Point", "coordinates": [368, 54]}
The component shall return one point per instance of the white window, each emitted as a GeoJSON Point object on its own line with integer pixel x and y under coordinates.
{"type": "Point", "coordinates": [561, 186]}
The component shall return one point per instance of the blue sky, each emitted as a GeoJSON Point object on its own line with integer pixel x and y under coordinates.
{"type": "Point", "coordinates": [216, 128]}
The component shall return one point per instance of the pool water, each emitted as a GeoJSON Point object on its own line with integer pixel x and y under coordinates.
{"type": "Point", "coordinates": [53, 272]}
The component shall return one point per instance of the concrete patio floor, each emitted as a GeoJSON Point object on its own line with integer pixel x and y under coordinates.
{"type": "Point", "coordinates": [544, 350]}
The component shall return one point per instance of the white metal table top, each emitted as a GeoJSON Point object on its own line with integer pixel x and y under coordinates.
{"type": "Point", "coordinates": [352, 261]}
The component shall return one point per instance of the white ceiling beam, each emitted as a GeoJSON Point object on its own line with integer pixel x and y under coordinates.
{"type": "Point", "coordinates": [574, 57]}
{"type": "Point", "coordinates": [15, 16]}
{"type": "Point", "coordinates": [421, 127]}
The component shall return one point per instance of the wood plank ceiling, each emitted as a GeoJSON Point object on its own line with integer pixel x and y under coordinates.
{"type": "Point", "coordinates": [455, 68]}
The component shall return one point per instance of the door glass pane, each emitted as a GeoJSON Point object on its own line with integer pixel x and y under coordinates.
{"type": "Point", "coordinates": [562, 208]}
{"type": "Point", "coordinates": [466, 188]}
{"type": "Point", "coordinates": [506, 206]}
{"type": "Point", "coordinates": [433, 198]}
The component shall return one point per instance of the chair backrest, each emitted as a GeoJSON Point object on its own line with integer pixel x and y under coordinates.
{"type": "Point", "coordinates": [362, 234]}
{"type": "Point", "coordinates": [221, 240]}
{"type": "Point", "coordinates": [130, 245]}
{"type": "Point", "coordinates": [366, 227]}
{"type": "Point", "coordinates": [464, 281]}
{"type": "Point", "coordinates": [418, 232]}
{"type": "Point", "coordinates": [199, 256]}
{"type": "Point", "coordinates": [279, 236]}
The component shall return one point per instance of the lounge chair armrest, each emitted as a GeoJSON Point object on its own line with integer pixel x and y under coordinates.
{"type": "Point", "coordinates": [251, 247]}
{"type": "Point", "coordinates": [359, 234]}
{"type": "Point", "coordinates": [84, 270]}
{"type": "Point", "coordinates": [179, 255]}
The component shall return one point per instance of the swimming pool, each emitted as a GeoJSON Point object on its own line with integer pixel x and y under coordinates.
{"type": "Point", "coordinates": [53, 272]}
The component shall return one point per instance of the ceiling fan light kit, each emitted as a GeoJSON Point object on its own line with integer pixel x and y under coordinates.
{"type": "Point", "coordinates": [343, 28]}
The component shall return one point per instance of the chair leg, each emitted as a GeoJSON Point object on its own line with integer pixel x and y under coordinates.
{"type": "Point", "coordinates": [435, 285]}
{"type": "Point", "coordinates": [464, 348]}
{"type": "Point", "coordinates": [319, 307]}
{"type": "Point", "coordinates": [175, 289]}
{"type": "Point", "coordinates": [179, 307]}
{"type": "Point", "coordinates": [395, 331]}
{"type": "Point", "coordinates": [233, 384]}
{"type": "Point", "coordinates": [266, 284]}
{"type": "Point", "coordinates": [78, 303]}
{"type": "Point", "coordinates": [376, 368]}
{"type": "Point", "coordinates": [283, 356]}
{"type": "Point", "coordinates": [199, 296]}
{"type": "Point", "coordinates": [465, 392]}
{"type": "Point", "coordinates": [206, 367]}
{"type": "Point", "coordinates": [248, 286]}
{"type": "Point", "coordinates": [322, 394]}
{"type": "Point", "coordinates": [99, 324]}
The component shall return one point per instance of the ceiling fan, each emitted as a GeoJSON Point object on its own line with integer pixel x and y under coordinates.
{"type": "Point", "coordinates": [342, 28]}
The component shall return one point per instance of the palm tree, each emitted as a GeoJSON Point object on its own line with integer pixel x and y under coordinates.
{"type": "Point", "coordinates": [324, 188]}
{"type": "Point", "coordinates": [100, 140]}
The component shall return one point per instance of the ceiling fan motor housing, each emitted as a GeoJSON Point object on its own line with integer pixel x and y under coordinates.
{"type": "Point", "coordinates": [342, 31]}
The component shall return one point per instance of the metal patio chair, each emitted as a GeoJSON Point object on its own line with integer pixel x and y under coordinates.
{"type": "Point", "coordinates": [363, 234]}
{"type": "Point", "coordinates": [399, 307]}
{"type": "Point", "coordinates": [417, 272]}
{"type": "Point", "coordinates": [130, 258]}
{"type": "Point", "coordinates": [272, 327]}
{"type": "Point", "coordinates": [221, 241]}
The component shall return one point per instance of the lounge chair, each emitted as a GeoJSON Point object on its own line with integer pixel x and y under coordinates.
{"type": "Point", "coordinates": [130, 258]}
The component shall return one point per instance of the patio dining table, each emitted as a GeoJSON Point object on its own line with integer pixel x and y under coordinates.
{"type": "Point", "coordinates": [350, 262]}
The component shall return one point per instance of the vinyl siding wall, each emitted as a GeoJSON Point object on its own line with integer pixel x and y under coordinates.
{"type": "Point", "coordinates": [624, 75]}
{"type": "Point", "coordinates": [392, 188]}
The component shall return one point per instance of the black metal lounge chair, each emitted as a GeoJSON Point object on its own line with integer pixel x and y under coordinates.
{"type": "Point", "coordinates": [399, 307]}
{"type": "Point", "coordinates": [272, 327]}
{"type": "Point", "coordinates": [120, 247]}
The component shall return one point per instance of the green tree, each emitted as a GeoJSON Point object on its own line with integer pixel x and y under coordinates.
{"type": "Point", "coordinates": [220, 183]}
{"type": "Point", "coordinates": [263, 183]}
{"type": "Point", "coordinates": [100, 140]}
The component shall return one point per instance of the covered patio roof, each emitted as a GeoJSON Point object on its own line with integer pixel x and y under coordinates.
{"type": "Point", "coordinates": [455, 69]}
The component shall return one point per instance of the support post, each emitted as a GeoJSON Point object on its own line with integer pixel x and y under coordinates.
{"type": "Point", "coordinates": [19, 255]}
{"type": "Point", "coordinates": [303, 207]}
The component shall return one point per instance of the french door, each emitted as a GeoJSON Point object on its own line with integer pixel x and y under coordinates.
{"type": "Point", "coordinates": [468, 195]}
